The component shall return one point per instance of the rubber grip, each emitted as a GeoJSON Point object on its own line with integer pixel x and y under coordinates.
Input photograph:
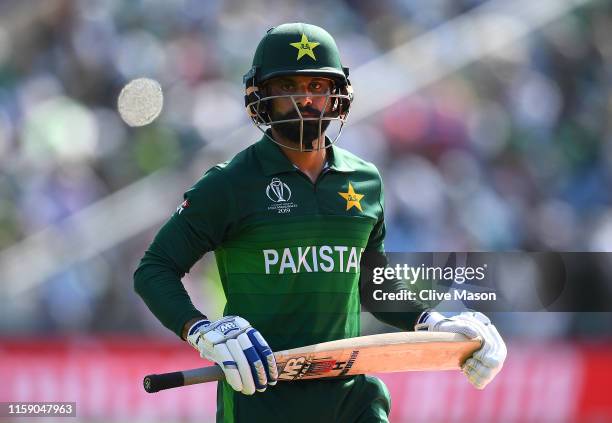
{"type": "Point", "coordinates": [156, 383]}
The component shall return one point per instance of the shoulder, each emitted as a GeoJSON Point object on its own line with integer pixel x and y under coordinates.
{"type": "Point", "coordinates": [357, 163]}
{"type": "Point", "coordinates": [221, 176]}
{"type": "Point", "coordinates": [361, 170]}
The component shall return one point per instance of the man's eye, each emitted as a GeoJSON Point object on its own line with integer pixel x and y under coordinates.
{"type": "Point", "coordinates": [319, 87]}
{"type": "Point", "coordinates": [287, 87]}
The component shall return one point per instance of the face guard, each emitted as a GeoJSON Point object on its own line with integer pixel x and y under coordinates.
{"type": "Point", "coordinates": [303, 128]}
{"type": "Point", "coordinates": [298, 50]}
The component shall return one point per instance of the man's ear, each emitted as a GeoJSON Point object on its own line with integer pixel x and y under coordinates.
{"type": "Point", "coordinates": [267, 105]}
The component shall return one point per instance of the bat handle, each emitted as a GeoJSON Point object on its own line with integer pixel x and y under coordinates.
{"type": "Point", "coordinates": [156, 383]}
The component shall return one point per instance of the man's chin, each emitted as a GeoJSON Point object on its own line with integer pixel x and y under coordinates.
{"type": "Point", "coordinates": [292, 135]}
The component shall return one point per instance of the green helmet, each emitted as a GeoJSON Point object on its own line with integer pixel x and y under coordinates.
{"type": "Point", "coordinates": [297, 49]}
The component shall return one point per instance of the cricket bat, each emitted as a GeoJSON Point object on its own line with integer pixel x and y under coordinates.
{"type": "Point", "coordinates": [389, 352]}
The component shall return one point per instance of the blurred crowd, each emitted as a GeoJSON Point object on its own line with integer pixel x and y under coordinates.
{"type": "Point", "coordinates": [512, 152]}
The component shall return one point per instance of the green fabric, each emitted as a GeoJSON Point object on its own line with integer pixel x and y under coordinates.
{"type": "Point", "coordinates": [358, 399]}
{"type": "Point", "coordinates": [161, 289]}
{"type": "Point", "coordinates": [400, 315]}
{"type": "Point", "coordinates": [304, 230]}
{"type": "Point", "coordinates": [288, 252]}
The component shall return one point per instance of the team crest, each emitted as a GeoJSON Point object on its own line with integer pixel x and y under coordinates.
{"type": "Point", "coordinates": [352, 198]}
{"type": "Point", "coordinates": [305, 47]}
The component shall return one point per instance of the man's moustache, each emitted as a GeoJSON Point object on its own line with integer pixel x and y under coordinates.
{"type": "Point", "coordinates": [304, 112]}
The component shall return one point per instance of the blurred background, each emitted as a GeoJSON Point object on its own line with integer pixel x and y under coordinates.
{"type": "Point", "coordinates": [489, 121]}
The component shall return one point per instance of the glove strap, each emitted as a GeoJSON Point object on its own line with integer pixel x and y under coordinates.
{"type": "Point", "coordinates": [194, 329]}
{"type": "Point", "coordinates": [197, 325]}
{"type": "Point", "coordinates": [428, 319]}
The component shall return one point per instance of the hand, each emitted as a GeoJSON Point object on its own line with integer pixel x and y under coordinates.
{"type": "Point", "coordinates": [240, 350]}
{"type": "Point", "coordinates": [485, 363]}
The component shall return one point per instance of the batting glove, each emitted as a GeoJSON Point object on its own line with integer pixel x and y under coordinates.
{"type": "Point", "coordinates": [485, 363]}
{"type": "Point", "coordinates": [240, 350]}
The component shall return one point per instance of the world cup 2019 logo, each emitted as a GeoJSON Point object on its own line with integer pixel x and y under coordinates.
{"type": "Point", "coordinates": [278, 191]}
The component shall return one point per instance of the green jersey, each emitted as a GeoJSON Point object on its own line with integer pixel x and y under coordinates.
{"type": "Point", "coordinates": [289, 253]}
{"type": "Point", "coordinates": [288, 250]}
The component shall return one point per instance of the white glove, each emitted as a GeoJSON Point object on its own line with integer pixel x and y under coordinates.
{"type": "Point", "coordinates": [240, 350]}
{"type": "Point", "coordinates": [485, 363]}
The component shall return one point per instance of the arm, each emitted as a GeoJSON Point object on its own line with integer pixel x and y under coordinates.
{"type": "Point", "coordinates": [198, 226]}
{"type": "Point", "coordinates": [188, 326]}
{"type": "Point", "coordinates": [484, 364]}
{"type": "Point", "coordinates": [158, 282]}
{"type": "Point", "coordinates": [402, 316]}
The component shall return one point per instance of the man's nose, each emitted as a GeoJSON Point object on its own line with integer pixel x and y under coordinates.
{"type": "Point", "coordinates": [304, 100]}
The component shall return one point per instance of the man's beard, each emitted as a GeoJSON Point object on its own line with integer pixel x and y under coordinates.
{"type": "Point", "coordinates": [291, 130]}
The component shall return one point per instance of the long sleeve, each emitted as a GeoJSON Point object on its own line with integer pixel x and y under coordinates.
{"type": "Point", "coordinates": [198, 226]}
{"type": "Point", "coordinates": [402, 316]}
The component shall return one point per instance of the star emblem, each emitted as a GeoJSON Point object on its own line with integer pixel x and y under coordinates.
{"type": "Point", "coordinates": [305, 47]}
{"type": "Point", "coordinates": [352, 198]}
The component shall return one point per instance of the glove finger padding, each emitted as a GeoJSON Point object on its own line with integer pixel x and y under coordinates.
{"type": "Point", "coordinates": [475, 367]}
{"type": "Point", "coordinates": [245, 357]}
{"type": "Point", "coordinates": [478, 373]}
{"type": "Point", "coordinates": [246, 376]}
{"type": "Point", "coordinates": [224, 357]}
{"type": "Point", "coordinates": [457, 327]}
{"type": "Point", "coordinates": [255, 363]}
{"type": "Point", "coordinates": [485, 363]}
{"type": "Point", "coordinates": [266, 355]}
{"type": "Point", "coordinates": [493, 352]}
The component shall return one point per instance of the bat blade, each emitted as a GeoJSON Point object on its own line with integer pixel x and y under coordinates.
{"type": "Point", "coordinates": [391, 352]}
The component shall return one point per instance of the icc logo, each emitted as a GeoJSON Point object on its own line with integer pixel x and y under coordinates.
{"type": "Point", "coordinates": [278, 191]}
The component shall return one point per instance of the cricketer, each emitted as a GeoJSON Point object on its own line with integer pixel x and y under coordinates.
{"type": "Point", "coordinates": [294, 222]}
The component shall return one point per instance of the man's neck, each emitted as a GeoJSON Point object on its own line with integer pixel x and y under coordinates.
{"type": "Point", "coordinates": [309, 162]}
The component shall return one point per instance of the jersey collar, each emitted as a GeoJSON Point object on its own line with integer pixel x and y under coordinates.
{"type": "Point", "coordinates": [273, 161]}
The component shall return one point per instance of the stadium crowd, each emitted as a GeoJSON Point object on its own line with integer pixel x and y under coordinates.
{"type": "Point", "coordinates": [512, 152]}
